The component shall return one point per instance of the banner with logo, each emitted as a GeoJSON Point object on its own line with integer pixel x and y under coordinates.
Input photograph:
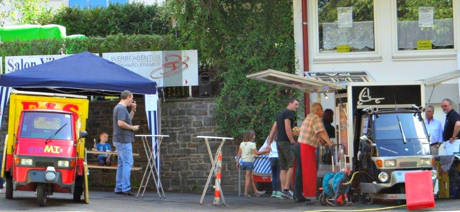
{"type": "Point", "coordinates": [16, 63]}
{"type": "Point", "coordinates": [166, 68]}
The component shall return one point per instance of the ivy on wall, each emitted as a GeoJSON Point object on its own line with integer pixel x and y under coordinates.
{"type": "Point", "coordinates": [234, 39]}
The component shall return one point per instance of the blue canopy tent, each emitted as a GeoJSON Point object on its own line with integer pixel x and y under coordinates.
{"type": "Point", "coordinates": [82, 73]}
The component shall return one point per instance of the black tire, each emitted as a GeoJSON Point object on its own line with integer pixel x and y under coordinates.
{"type": "Point", "coordinates": [78, 190]}
{"type": "Point", "coordinates": [9, 187]}
{"type": "Point", "coordinates": [402, 190]}
{"type": "Point", "coordinates": [367, 199]}
{"type": "Point", "coordinates": [41, 195]}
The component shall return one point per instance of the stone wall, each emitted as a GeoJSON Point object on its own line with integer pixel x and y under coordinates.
{"type": "Point", "coordinates": [184, 158]}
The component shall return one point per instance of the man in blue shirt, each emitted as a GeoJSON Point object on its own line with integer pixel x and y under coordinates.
{"type": "Point", "coordinates": [434, 128]}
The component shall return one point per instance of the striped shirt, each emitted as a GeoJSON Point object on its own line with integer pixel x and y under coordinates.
{"type": "Point", "coordinates": [310, 129]}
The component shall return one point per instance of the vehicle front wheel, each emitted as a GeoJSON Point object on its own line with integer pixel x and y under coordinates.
{"type": "Point", "coordinates": [9, 187]}
{"type": "Point", "coordinates": [41, 195]}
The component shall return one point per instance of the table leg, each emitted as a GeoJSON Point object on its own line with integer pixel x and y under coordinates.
{"type": "Point", "coordinates": [143, 183]}
{"type": "Point", "coordinates": [209, 150]}
{"type": "Point", "coordinates": [160, 140]}
{"type": "Point", "coordinates": [152, 168]}
{"type": "Point", "coordinates": [208, 181]}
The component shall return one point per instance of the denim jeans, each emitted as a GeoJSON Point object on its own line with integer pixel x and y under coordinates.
{"type": "Point", "coordinates": [125, 163]}
{"type": "Point", "coordinates": [275, 166]}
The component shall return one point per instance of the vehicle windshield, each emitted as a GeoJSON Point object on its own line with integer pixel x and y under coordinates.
{"type": "Point", "coordinates": [400, 134]}
{"type": "Point", "coordinates": [45, 124]}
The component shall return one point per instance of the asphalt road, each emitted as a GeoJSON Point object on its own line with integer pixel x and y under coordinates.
{"type": "Point", "coordinates": [108, 201]}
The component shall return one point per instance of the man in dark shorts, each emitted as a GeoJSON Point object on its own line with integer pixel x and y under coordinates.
{"type": "Point", "coordinates": [282, 129]}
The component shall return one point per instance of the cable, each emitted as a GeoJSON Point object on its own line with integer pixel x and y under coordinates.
{"type": "Point", "coordinates": [352, 177]}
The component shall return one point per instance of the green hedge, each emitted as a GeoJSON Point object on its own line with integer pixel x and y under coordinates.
{"type": "Point", "coordinates": [112, 43]}
{"type": "Point", "coordinates": [114, 19]}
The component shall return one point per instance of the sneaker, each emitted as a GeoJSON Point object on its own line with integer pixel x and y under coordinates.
{"type": "Point", "coordinates": [274, 193]}
{"type": "Point", "coordinates": [286, 194]}
{"type": "Point", "coordinates": [279, 195]}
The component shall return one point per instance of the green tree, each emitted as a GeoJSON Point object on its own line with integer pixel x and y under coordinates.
{"type": "Point", "coordinates": [363, 10]}
{"type": "Point", "coordinates": [236, 38]}
{"type": "Point", "coordinates": [408, 9]}
{"type": "Point", "coordinates": [27, 11]}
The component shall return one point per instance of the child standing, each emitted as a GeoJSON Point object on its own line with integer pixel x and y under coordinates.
{"type": "Point", "coordinates": [103, 146]}
{"type": "Point", "coordinates": [275, 168]}
{"type": "Point", "coordinates": [247, 153]}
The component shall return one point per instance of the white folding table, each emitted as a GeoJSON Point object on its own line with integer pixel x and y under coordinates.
{"type": "Point", "coordinates": [151, 169]}
{"type": "Point", "coordinates": [215, 171]}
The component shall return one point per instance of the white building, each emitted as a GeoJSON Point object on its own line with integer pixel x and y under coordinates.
{"type": "Point", "coordinates": [388, 39]}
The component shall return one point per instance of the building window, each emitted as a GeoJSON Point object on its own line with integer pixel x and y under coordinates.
{"type": "Point", "coordinates": [425, 25]}
{"type": "Point", "coordinates": [346, 25]}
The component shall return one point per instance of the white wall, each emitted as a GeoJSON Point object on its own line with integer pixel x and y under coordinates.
{"type": "Point", "coordinates": [386, 64]}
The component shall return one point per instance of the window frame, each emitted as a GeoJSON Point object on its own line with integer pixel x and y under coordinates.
{"type": "Point", "coordinates": [319, 57]}
{"type": "Point", "coordinates": [437, 54]}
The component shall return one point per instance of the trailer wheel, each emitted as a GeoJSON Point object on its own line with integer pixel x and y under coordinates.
{"type": "Point", "coordinates": [9, 187]}
{"type": "Point", "coordinates": [78, 191]}
{"type": "Point", "coordinates": [41, 195]}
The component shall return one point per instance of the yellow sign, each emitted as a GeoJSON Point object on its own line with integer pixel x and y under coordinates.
{"type": "Point", "coordinates": [424, 45]}
{"type": "Point", "coordinates": [343, 48]}
{"type": "Point", "coordinates": [52, 149]}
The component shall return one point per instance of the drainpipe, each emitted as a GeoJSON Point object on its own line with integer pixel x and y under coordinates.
{"type": "Point", "coordinates": [306, 63]}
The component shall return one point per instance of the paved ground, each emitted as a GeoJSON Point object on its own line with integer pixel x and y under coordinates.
{"type": "Point", "coordinates": [107, 201]}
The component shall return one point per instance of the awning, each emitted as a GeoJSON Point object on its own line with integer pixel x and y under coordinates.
{"type": "Point", "coordinates": [439, 79]}
{"type": "Point", "coordinates": [82, 73]}
{"type": "Point", "coordinates": [305, 84]}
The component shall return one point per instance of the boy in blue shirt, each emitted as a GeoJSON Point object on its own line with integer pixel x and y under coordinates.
{"type": "Point", "coordinates": [103, 146]}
